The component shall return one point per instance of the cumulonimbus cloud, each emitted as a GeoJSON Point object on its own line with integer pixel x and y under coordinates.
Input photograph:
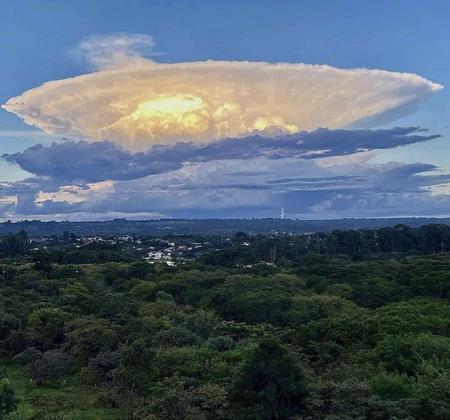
{"type": "Point", "coordinates": [219, 139]}
{"type": "Point", "coordinates": [137, 102]}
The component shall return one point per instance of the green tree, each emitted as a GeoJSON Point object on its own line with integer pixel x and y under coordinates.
{"type": "Point", "coordinates": [8, 400]}
{"type": "Point", "coordinates": [404, 353]}
{"type": "Point", "coordinates": [244, 298]}
{"type": "Point", "coordinates": [42, 261]}
{"type": "Point", "coordinates": [48, 322]}
{"type": "Point", "coordinates": [433, 381]}
{"type": "Point", "coordinates": [271, 384]}
{"type": "Point", "coordinates": [88, 337]}
{"type": "Point", "coordinates": [51, 367]}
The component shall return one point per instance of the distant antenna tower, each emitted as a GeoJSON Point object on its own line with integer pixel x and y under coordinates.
{"type": "Point", "coordinates": [282, 214]}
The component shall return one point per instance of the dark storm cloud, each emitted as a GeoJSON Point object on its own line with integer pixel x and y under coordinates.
{"type": "Point", "coordinates": [92, 162]}
{"type": "Point", "coordinates": [306, 145]}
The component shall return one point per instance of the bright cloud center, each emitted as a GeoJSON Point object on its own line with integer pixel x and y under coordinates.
{"type": "Point", "coordinates": [176, 107]}
{"type": "Point", "coordinates": [170, 116]}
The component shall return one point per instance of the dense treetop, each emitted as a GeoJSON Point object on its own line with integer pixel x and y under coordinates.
{"type": "Point", "coordinates": [338, 325]}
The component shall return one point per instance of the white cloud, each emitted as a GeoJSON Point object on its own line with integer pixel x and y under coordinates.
{"type": "Point", "coordinates": [137, 102]}
{"type": "Point", "coordinates": [440, 189]}
{"type": "Point", "coordinates": [120, 49]}
{"type": "Point", "coordinates": [73, 194]}
{"type": "Point", "coordinates": [7, 200]}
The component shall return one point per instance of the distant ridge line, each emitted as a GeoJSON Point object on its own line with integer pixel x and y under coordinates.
{"type": "Point", "coordinates": [212, 226]}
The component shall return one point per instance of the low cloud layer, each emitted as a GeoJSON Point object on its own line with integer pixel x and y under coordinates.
{"type": "Point", "coordinates": [317, 174]}
{"type": "Point", "coordinates": [93, 162]}
{"type": "Point", "coordinates": [137, 102]}
{"type": "Point", "coordinates": [245, 188]}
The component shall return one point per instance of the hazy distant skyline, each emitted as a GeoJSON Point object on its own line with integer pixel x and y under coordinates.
{"type": "Point", "coordinates": [224, 109]}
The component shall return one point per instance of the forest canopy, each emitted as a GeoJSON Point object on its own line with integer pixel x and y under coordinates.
{"type": "Point", "coordinates": [339, 325]}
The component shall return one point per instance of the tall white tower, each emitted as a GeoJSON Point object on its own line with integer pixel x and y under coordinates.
{"type": "Point", "coordinates": [282, 214]}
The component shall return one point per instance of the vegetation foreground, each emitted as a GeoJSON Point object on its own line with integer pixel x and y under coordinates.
{"type": "Point", "coordinates": [346, 325]}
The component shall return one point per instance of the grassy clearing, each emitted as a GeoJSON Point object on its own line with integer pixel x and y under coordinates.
{"type": "Point", "coordinates": [56, 402]}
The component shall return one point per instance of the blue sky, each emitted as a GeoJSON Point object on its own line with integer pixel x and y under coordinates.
{"type": "Point", "coordinates": [39, 38]}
